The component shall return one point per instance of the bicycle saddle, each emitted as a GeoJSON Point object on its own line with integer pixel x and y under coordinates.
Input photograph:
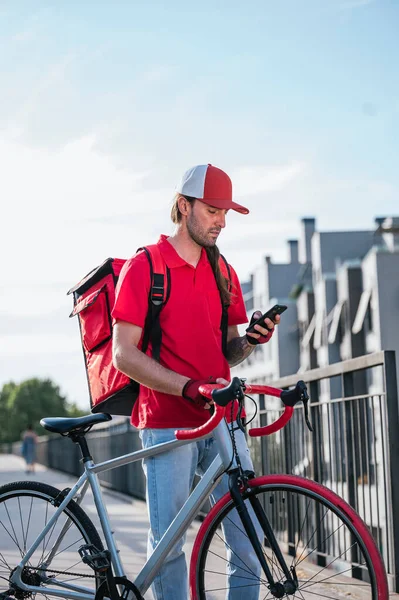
{"type": "Point", "coordinates": [68, 424]}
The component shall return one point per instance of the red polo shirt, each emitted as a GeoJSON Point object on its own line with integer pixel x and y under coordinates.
{"type": "Point", "coordinates": [191, 335]}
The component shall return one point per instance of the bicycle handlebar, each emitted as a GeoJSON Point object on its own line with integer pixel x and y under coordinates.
{"type": "Point", "coordinates": [192, 434]}
{"type": "Point", "coordinates": [222, 395]}
{"type": "Point", "coordinates": [281, 421]}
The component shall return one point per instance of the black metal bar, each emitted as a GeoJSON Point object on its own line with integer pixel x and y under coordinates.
{"type": "Point", "coordinates": [269, 534]}
{"type": "Point", "coordinates": [391, 388]}
{"type": "Point", "coordinates": [380, 438]}
{"type": "Point", "coordinates": [234, 487]}
{"type": "Point", "coordinates": [351, 479]}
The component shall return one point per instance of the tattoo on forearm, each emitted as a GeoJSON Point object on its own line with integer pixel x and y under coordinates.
{"type": "Point", "coordinates": [237, 350]}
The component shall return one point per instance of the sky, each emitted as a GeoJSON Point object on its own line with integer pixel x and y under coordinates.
{"type": "Point", "coordinates": [104, 105]}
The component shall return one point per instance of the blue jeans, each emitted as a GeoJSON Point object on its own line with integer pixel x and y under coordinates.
{"type": "Point", "coordinates": [170, 478]}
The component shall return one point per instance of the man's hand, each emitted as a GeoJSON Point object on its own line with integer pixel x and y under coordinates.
{"type": "Point", "coordinates": [191, 391]}
{"type": "Point", "coordinates": [264, 333]}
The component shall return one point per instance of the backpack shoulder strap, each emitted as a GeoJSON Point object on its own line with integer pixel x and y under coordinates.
{"type": "Point", "coordinates": [159, 273]}
{"type": "Point", "coordinates": [225, 269]}
{"type": "Point", "coordinates": [157, 298]}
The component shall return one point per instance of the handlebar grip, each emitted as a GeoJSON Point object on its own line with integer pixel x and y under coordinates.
{"type": "Point", "coordinates": [273, 427]}
{"type": "Point", "coordinates": [221, 395]}
{"type": "Point", "coordinates": [192, 434]}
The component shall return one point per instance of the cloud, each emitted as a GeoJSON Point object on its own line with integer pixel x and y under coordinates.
{"type": "Point", "coordinates": [49, 231]}
{"type": "Point", "coordinates": [51, 79]}
{"type": "Point", "coordinates": [76, 180]}
{"type": "Point", "coordinates": [260, 179]}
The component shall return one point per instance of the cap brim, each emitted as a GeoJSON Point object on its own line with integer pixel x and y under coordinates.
{"type": "Point", "coordinates": [226, 204]}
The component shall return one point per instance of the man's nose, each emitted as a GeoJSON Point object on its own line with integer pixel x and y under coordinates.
{"type": "Point", "coordinates": [221, 220]}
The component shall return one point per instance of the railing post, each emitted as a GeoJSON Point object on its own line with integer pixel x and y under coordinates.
{"type": "Point", "coordinates": [391, 388]}
{"type": "Point", "coordinates": [352, 439]}
{"type": "Point", "coordinates": [318, 466]}
{"type": "Point", "coordinates": [315, 412]}
{"type": "Point", "coordinates": [350, 466]}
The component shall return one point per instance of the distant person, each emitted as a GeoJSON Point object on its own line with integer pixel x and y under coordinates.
{"type": "Point", "coordinates": [29, 441]}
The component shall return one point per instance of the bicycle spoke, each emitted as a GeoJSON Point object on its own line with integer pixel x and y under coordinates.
{"type": "Point", "coordinates": [227, 561]}
{"type": "Point", "coordinates": [302, 596]}
{"type": "Point", "coordinates": [22, 526]}
{"type": "Point", "coordinates": [327, 566]}
{"type": "Point", "coordinates": [44, 539]}
{"type": "Point", "coordinates": [45, 559]}
{"type": "Point", "coordinates": [232, 551]}
{"type": "Point", "coordinates": [3, 560]}
{"type": "Point", "coordinates": [235, 587]}
{"type": "Point", "coordinates": [308, 544]}
{"type": "Point", "coordinates": [271, 558]}
{"type": "Point", "coordinates": [29, 517]}
{"type": "Point", "coordinates": [320, 595]}
{"type": "Point", "coordinates": [300, 532]}
{"type": "Point", "coordinates": [24, 513]}
{"type": "Point", "coordinates": [13, 538]}
{"type": "Point", "coordinates": [224, 573]}
{"type": "Point", "coordinates": [323, 541]}
{"type": "Point", "coordinates": [330, 538]}
{"type": "Point", "coordinates": [67, 548]}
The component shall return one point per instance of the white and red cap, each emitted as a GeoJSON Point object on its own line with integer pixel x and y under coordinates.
{"type": "Point", "coordinates": [210, 185]}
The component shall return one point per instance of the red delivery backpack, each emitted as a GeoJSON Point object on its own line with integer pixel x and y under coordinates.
{"type": "Point", "coordinates": [110, 390]}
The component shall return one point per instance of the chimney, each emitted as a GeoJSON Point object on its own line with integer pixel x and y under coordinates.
{"type": "Point", "coordinates": [308, 228]}
{"type": "Point", "coordinates": [390, 232]}
{"type": "Point", "coordinates": [379, 221]}
{"type": "Point", "coordinates": [293, 245]}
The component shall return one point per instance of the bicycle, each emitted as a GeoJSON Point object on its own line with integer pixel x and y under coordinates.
{"type": "Point", "coordinates": [307, 541]}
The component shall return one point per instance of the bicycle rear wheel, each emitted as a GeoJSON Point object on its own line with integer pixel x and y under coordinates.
{"type": "Point", "coordinates": [320, 536]}
{"type": "Point", "coordinates": [25, 509]}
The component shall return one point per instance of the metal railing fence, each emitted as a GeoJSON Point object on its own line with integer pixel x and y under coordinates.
{"type": "Point", "coordinates": [354, 447]}
{"type": "Point", "coordinates": [353, 450]}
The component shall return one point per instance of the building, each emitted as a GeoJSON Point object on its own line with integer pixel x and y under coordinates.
{"type": "Point", "coordinates": [342, 290]}
{"type": "Point", "coordinates": [270, 284]}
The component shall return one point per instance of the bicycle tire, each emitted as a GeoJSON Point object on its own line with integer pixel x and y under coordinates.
{"type": "Point", "coordinates": [208, 572]}
{"type": "Point", "coordinates": [28, 503]}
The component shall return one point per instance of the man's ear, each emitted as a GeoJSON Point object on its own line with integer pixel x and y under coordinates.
{"type": "Point", "coordinates": [183, 205]}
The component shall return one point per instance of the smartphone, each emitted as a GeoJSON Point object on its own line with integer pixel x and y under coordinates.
{"type": "Point", "coordinates": [277, 309]}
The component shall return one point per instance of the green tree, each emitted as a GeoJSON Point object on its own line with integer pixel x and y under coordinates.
{"type": "Point", "coordinates": [75, 411]}
{"type": "Point", "coordinates": [28, 402]}
{"type": "Point", "coordinates": [5, 395]}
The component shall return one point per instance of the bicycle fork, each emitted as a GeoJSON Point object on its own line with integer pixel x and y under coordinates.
{"type": "Point", "coordinates": [278, 589]}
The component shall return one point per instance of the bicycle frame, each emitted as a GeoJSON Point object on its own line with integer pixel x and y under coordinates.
{"type": "Point", "coordinates": [175, 531]}
{"type": "Point", "coordinates": [239, 481]}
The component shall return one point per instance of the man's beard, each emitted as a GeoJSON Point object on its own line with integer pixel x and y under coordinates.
{"type": "Point", "coordinates": [199, 235]}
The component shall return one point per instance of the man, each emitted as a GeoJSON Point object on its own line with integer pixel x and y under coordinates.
{"type": "Point", "coordinates": [191, 354]}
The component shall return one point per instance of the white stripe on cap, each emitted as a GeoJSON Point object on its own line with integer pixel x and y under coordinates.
{"type": "Point", "coordinates": [193, 182]}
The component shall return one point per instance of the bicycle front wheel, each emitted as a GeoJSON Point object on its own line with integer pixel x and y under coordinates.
{"type": "Point", "coordinates": [25, 509]}
{"type": "Point", "coordinates": [322, 539]}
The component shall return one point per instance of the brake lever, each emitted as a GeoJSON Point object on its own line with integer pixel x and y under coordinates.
{"type": "Point", "coordinates": [307, 421]}
{"type": "Point", "coordinates": [305, 401]}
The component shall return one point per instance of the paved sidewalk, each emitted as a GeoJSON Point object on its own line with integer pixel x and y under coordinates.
{"type": "Point", "coordinates": [128, 515]}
